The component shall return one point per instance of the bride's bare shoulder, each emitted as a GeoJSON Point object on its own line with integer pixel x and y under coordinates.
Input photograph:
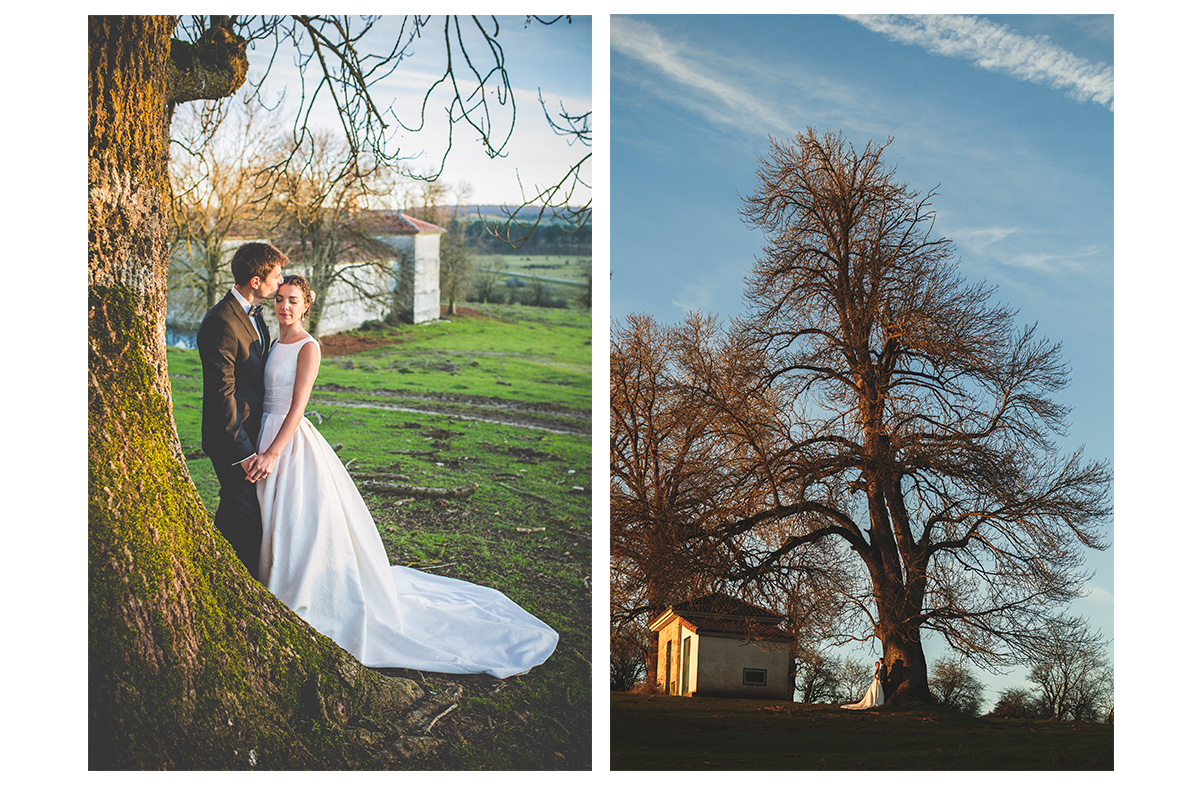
{"type": "Point", "coordinates": [310, 350]}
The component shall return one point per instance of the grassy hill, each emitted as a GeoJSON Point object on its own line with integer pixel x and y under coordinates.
{"type": "Point", "coordinates": [654, 732]}
{"type": "Point", "coordinates": [500, 402]}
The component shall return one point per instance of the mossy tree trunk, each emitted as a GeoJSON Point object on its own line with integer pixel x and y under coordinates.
{"type": "Point", "coordinates": [191, 662]}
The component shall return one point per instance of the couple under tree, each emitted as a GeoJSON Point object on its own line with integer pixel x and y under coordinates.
{"type": "Point", "coordinates": [295, 517]}
{"type": "Point", "coordinates": [874, 696]}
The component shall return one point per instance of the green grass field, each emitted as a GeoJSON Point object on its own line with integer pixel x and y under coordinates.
{"type": "Point", "coordinates": [704, 733]}
{"type": "Point", "coordinates": [502, 403]}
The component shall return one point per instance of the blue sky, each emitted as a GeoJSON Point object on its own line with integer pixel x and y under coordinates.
{"type": "Point", "coordinates": [555, 59]}
{"type": "Point", "coordinates": [1010, 117]}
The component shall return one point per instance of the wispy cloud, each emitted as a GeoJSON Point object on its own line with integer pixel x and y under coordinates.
{"type": "Point", "coordinates": [993, 46]}
{"type": "Point", "coordinates": [1098, 593]}
{"type": "Point", "coordinates": [1025, 250]}
{"type": "Point", "coordinates": [713, 93]}
{"type": "Point", "coordinates": [1077, 261]}
{"type": "Point", "coordinates": [978, 238]}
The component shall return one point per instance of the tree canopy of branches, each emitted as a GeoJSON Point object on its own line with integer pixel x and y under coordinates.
{"type": "Point", "coordinates": [816, 676]}
{"type": "Point", "coordinates": [318, 219]}
{"type": "Point", "coordinates": [472, 90]}
{"type": "Point", "coordinates": [853, 679]}
{"type": "Point", "coordinates": [1015, 702]}
{"type": "Point", "coordinates": [557, 199]}
{"type": "Point", "coordinates": [219, 184]}
{"type": "Point", "coordinates": [872, 426]}
{"type": "Point", "coordinates": [191, 662]}
{"type": "Point", "coordinates": [628, 655]}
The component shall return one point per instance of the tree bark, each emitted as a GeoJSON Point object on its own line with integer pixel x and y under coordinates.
{"type": "Point", "coordinates": [191, 662]}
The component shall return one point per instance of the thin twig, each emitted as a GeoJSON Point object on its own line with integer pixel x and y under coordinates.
{"type": "Point", "coordinates": [439, 716]}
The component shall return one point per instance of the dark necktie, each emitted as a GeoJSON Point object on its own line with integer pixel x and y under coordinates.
{"type": "Point", "coordinates": [256, 315]}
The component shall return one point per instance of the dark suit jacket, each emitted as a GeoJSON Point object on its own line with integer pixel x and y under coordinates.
{"type": "Point", "coordinates": [233, 361]}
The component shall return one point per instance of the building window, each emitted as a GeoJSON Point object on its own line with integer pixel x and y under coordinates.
{"type": "Point", "coordinates": [754, 677]}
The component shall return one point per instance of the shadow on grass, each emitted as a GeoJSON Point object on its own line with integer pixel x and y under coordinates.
{"type": "Point", "coordinates": [653, 732]}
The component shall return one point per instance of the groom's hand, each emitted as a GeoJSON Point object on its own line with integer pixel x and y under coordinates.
{"type": "Point", "coordinates": [253, 468]}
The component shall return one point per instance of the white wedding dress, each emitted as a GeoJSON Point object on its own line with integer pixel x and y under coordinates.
{"type": "Point", "coordinates": [322, 555]}
{"type": "Point", "coordinates": [873, 697]}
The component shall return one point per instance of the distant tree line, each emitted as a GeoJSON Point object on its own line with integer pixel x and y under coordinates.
{"type": "Point", "coordinates": [1073, 681]}
{"type": "Point", "coordinates": [545, 239]}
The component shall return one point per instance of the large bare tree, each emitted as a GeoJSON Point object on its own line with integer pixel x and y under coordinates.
{"type": "Point", "coordinates": [661, 489]}
{"type": "Point", "coordinates": [681, 478]}
{"type": "Point", "coordinates": [925, 433]}
{"type": "Point", "coordinates": [191, 662]}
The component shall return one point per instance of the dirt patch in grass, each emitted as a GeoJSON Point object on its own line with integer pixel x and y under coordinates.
{"type": "Point", "coordinates": [345, 343]}
{"type": "Point", "coordinates": [538, 416]}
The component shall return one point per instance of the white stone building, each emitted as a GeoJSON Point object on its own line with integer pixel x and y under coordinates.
{"type": "Point", "coordinates": [718, 646]}
{"type": "Point", "coordinates": [416, 270]}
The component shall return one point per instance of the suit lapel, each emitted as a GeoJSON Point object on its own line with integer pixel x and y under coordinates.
{"type": "Point", "coordinates": [249, 326]}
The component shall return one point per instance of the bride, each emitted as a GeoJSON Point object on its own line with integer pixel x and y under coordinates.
{"type": "Point", "coordinates": [874, 695]}
{"type": "Point", "coordinates": [322, 555]}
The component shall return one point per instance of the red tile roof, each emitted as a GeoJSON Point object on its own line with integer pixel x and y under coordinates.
{"type": "Point", "coordinates": [397, 222]}
{"type": "Point", "coordinates": [748, 628]}
{"type": "Point", "coordinates": [722, 614]}
{"type": "Point", "coordinates": [724, 605]}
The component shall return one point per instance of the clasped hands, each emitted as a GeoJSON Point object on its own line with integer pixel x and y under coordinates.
{"type": "Point", "coordinates": [259, 466]}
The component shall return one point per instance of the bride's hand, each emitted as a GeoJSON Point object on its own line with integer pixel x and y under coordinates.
{"type": "Point", "coordinates": [266, 463]}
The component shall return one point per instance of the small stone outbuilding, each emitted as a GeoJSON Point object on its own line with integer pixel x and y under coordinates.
{"type": "Point", "coordinates": [416, 268]}
{"type": "Point", "coordinates": [719, 646]}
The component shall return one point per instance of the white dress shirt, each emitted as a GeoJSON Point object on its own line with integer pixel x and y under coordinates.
{"type": "Point", "coordinates": [246, 306]}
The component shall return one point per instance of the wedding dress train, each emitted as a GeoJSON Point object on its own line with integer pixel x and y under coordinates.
{"type": "Point", "coordinates": [322, 555]}
{"type": "Point", "coordinates": [873, 697]}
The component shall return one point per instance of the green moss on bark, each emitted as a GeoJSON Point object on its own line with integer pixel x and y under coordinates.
{"type": "Point", "coordinates": [191, 662]}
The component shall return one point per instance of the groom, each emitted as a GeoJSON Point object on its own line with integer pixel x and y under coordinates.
{"type": "Point", "coordinates": [233, 341]}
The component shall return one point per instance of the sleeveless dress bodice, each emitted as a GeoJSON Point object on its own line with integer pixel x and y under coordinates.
{"type": "Point", "coordinates": [280, 375]}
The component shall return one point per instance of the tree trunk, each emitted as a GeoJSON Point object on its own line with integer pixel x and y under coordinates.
{"type": "Point", "coordinates": [896, 607]}
{"type": "Point", "coordinates": [907, 678]}
{"type": "Point", "coordinates": [191, 663]}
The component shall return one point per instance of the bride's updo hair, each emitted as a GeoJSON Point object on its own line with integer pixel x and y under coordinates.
{"type": "Point", "coordinates": [300, 283]}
